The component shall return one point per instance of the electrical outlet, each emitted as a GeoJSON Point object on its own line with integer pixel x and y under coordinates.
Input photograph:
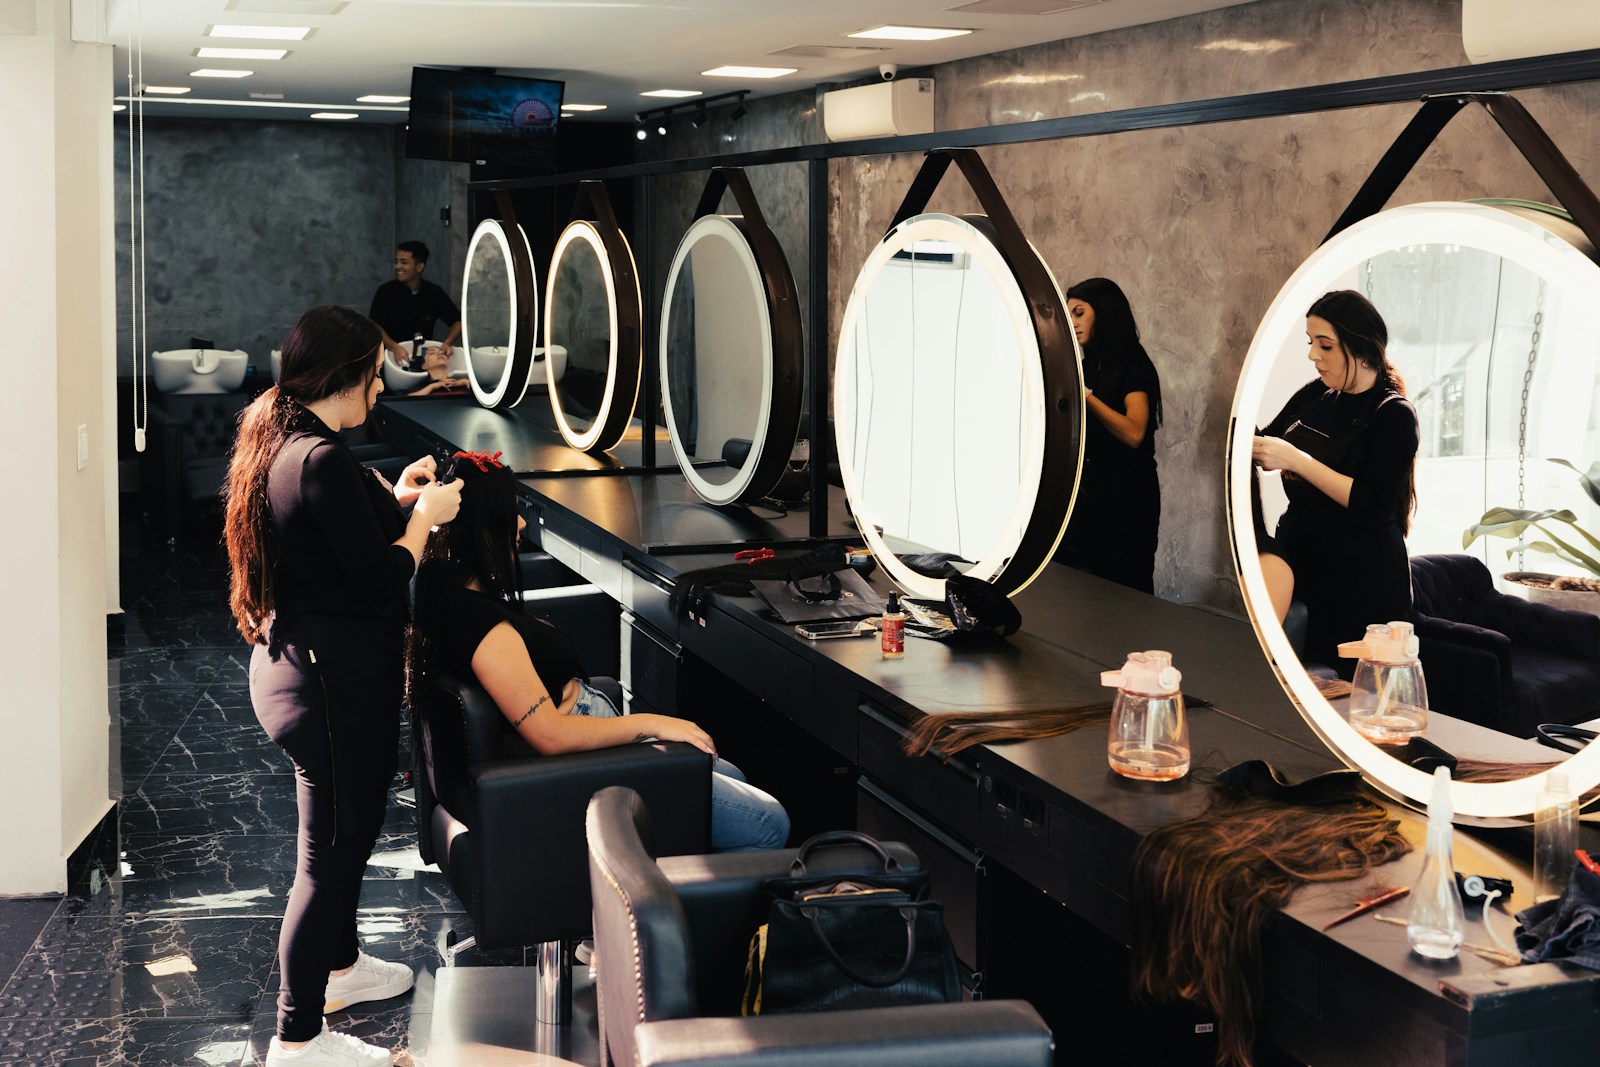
{"type": "Point", "coordinates": [83, 447]}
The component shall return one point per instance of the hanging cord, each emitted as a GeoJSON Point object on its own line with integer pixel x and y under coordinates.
{"type": "Point", "coordinates": [138, 325]}
{"type": "Point", "coordinates": [1522, 421]}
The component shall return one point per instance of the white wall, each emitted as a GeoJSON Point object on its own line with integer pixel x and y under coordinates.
{"type": "Point", "coordinates": [54, 730]}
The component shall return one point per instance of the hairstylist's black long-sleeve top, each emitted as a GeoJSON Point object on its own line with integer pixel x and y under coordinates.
{"type": "Point", "coordinates": [331, 532]}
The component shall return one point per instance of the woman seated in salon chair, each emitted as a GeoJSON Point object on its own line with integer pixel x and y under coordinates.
{"type": "Point", "coordinates": [469, 622]}
{"type": "Point", "coordinates": [436, 364]}
{"type": "Point", "coordinates": [1347, 446]}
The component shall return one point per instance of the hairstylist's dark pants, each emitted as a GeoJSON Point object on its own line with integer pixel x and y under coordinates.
{"type": "Point", "coordinates": [328, 692]}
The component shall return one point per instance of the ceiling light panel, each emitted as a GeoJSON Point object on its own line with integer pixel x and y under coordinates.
{"type": "Point", "coordinates": [167, 90]}
{"type": "Point", "coordinates": [212, 72]}
{"type": "Point", "coordinates": [908, 33]}
{"type": "Point", "coordinates": [583, 107]}
{"type": "Point", "coordinates": [672, 94]}
{"type": "Point", "coordinates": [747, 72]}
{"type": "Point", "coordinates": [334, 115]}
{"type": "Point", "coordinates": [261, 33]}
{"type": "Point", "coordinates": [378, 98]}
{"type": "Point", "coordinates": [209, 52]}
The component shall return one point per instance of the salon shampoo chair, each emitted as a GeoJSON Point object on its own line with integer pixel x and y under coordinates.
{"type": "Point", "coordinates": [505, 824]}
{"type": "Point", "coordinates": [671, 938]}
{"type": "Point", "coordinates": [1497, 659]}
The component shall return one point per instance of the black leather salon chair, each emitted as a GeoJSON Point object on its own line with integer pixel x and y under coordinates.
{"type": "Point", "coordinates": [1499, 660]}
{"type": "Point", "coordinates": [505, 824]}
{"type": "Point", "coordinates": [186, 456]}
{"type": "Point", "coordinates": [670, 945]}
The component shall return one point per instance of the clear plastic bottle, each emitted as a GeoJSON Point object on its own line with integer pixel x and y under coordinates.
{"type": "Point", "coordinates": [1149, 737]}
{"type": "Point", "coordinates": [892, 629]}
{"type": "Point", "coordinates": [1435, 926]}
{"type": "Point", "coordinates": [1555, 836]}
{"type": "Point", "coordinates": [1389, 696]}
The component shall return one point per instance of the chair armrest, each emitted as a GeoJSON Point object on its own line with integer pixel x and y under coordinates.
{"type": "Point", "coordinates": [526, 820]}
{"type": "Point", "coordinates": [1466, 635]}
{"type": "Point", "coordinates": [723, 903]}
{"type": "Point", "coordinates": [1467, 667]}
{"type": "Point", "coordinates": [1553, 629]}
{"type": "Point", "coordinates": [993, 1033]}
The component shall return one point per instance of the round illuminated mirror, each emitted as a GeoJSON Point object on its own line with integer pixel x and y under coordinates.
{"type": "Point", "coordinates": [1491, 317]}
{"type": "Point", "coordinates": [499, 307]}
{"type": "Point", "coordinates": [730, 360]}
{"type": "Point", "coordinates": [592, 314]}
{"type": "Point", "coordinates": [957, 398]}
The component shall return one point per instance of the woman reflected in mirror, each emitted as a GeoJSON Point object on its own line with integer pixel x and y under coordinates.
{"type": "Point", "coordinates": [1117, 516]}
{"type": "Point", "coordinates": [1346, 445]}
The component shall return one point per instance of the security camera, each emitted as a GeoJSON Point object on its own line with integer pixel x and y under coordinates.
{"type": "Point", "coordinates": [887, 71]}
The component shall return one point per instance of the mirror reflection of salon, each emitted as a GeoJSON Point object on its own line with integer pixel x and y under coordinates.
{"type": "Point", "coordinates": [580, 320]}
{"type": "Point", "coordinates": [1377, 537]}
{"type": "Point", "coordinates": [1117, 517]}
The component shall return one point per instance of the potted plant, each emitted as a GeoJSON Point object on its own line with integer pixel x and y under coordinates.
{"type": "Point", "coordinates": [1562, 591]}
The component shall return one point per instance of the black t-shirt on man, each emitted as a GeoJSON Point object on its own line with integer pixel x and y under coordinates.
{"type": "Point", "coordinates": [403, 313]}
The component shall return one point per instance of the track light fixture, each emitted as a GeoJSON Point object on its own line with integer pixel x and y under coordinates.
{"type": "Point", "coordinates": [697, 112]}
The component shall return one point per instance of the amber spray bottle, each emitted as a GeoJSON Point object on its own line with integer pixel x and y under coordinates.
{"type": "Point", "coordinates": [892, 629]}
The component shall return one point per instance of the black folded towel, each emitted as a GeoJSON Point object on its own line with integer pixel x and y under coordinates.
{"type": "Point", "coordinates": [1566, 929]}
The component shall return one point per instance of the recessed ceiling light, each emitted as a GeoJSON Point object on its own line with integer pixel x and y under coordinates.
{"type": "Point", "coordinates": [378, 98]}
{"type": "Point", "coordinates": [212, 72]}
{"type": "Point", "coordinates": [908, 33]}
{"type": "Point", "coordinates": [674, 94]}
{"type": "Point", "coordinates": [167, 90]}
{"type": "Point", "coordinates": [334, 115]}
{"type": "Point", "coordinates": [583, 107]}
{"type": "Point", "coordinates": [240, 53]}
{"type": "Point", "coordinates": [119, 107]}
{"type": "Point", "coordinates": [262, 33]}
{"type": "Point", "coordinates": [747, 72]}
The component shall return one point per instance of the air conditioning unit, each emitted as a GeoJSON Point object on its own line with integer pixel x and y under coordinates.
{"type": "Point", "coordinates": [887, 109]}
{"type": "Point", "coordinates": [1516, 29]}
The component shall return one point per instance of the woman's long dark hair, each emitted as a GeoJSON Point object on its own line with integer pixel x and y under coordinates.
{"type": "Point", "coordinates": [1115, 336]}
{"type": "Point", "coordinates": [331, 349]}
{"type": "Point", "coordinates": [478, 546]}
{"type": "Point", "coordinates": [1365, 338]}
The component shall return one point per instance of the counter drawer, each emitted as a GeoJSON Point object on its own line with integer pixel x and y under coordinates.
{"type": "Point", "coordinates": [945, 791]}
{"type": "Point", "coordinates": [755, 661]}
{"type": "Point", "coordinates": [650, 663]}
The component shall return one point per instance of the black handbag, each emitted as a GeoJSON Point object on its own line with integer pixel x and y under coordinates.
{"type": "Point", "coordinates": [862, 942]}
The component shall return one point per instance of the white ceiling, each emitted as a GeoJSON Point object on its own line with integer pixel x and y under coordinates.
{"type": "Point", "coordinates": [607, 51]}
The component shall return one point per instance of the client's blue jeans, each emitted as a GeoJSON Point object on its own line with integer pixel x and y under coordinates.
{"type": "Point", "coordinates": [743, 818]}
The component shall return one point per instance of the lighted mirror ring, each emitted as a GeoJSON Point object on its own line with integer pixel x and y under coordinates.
{"type": "Point", "coordinates": [518, 366]}
{"type": "Point", "coordinates": [776, 425]}
{"type": "Point", "coordinates": [624, 365]}
{"type": "Point", "coordinates": [1033, 504]}
{"type": "Point", "coordinates": [1509, 235]}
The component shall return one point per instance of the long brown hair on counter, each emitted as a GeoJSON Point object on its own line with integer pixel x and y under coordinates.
{"type": "Point", "coordinates": [331, 349]}
{"type": "Point", "coordinates": [1202, 890]}
{"type": "Point", "coordinates": [946, 733]}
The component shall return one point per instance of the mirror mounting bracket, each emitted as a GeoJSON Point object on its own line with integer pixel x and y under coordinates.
{"type": "Point", "coordinates": [1530, 139]}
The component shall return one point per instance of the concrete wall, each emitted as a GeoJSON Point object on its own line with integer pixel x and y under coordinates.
{"type": "Point", "coordinates": [1201, 225]}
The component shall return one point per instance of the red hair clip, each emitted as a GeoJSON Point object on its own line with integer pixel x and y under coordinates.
{"type": "Point", "coordinates": [482, 460]}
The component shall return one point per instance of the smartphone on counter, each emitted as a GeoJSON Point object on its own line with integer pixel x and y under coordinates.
{"type": "Point", "coordinates": [821, 631]}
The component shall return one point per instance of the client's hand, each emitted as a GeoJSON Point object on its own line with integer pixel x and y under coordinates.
{"type": "Point", "coordinates": [437, 503]}
{"type": "Point", "coordinates": [413, 478]}
{"type": "Point", "coordinates": [669, 729]}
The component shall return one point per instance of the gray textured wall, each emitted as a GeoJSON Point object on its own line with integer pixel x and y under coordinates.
{"type": "Point", "coordinates": [250, 223]}
{"type": "Point", "coordinates": [1200, 225]}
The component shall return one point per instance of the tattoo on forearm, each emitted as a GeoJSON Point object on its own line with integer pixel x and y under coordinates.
{"type": "Point", "coordinates": [641, 736]}
{"type": "Point", "coordinates": [537, 704]}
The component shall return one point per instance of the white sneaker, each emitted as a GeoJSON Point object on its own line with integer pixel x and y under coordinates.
{"type": "Point", "coordinates": [369, 979]}
{"type": "Point", "coordinates": [329, 1049]}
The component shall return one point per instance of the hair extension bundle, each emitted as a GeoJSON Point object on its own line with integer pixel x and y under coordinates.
{"type": "Point", "coordinates": [1203, 890]}
{"type": "Point", "coordinates": [950, 733]}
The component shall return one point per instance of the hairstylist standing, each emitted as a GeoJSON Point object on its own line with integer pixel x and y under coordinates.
{"type": "Point", "coordinates": [1118, 512]}
{"type": "Point", "coordinates": [321, 555]}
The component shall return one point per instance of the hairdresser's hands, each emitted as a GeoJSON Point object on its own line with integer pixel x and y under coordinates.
{"type": "Point", "coordinates": [669, 729]}
{"type": "Point", "coordinates": [1276, 454]}
{"type": "Point", "coordinates": [413, 478]}
{"type": "Point", "coordinates": [437, 504]}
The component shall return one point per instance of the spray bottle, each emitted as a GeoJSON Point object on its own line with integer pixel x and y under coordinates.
{"type": "Point", "coordinates": [1149, 730]}
{"type": "Point", "coordinates": [1435, 926]}
{"type": "Point", "coordinates": [1389, 696]}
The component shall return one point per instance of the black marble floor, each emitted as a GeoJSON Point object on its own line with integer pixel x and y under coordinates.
{"type": "Point", "coordinates": [165, 949]}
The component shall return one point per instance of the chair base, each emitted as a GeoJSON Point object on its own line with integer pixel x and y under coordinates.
{"type": "Point", "coordinates": [484, 1017]}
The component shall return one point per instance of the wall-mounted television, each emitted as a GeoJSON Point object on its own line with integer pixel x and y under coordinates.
{"type": "Point", "coordinates": [470, 117]}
